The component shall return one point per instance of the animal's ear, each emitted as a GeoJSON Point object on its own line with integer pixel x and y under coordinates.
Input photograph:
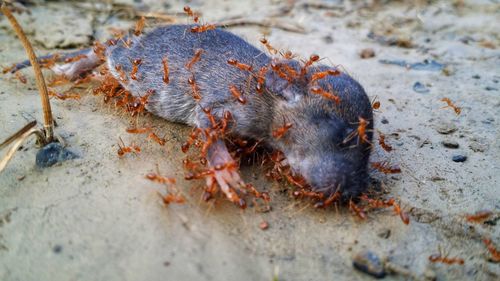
{"type": "Point", "coordinates": [283, 88]}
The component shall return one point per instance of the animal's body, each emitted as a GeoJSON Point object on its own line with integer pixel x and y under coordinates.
{"type": "Point", "coordinates": [323, 143]}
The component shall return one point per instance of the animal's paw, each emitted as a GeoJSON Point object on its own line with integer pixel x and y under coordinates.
{"type": "Point", "coordinates": [229, 181]}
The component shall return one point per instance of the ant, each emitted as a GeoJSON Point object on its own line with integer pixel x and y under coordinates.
{"type": "Point", "coordinates": [323, 74]}
{"type": "Point", "coordinates": [135, 68]}
{"type": "Point", "coordinates": [192, 14]}
{"type": "Point", "coordinates": [123, 149]}
{"type": "Point", "coordinates": [99, 49]}
{"type": "Point", "coordinates": [166, 71]}
{"type": "Point", "coordinates": [169, 198]}
{"type": "Point", "coordinates": [312, 59]}
{"type": "Point", "coordinates": [157, 139]}
{"type": "Point", "coordinates": [62, 96]}
{"type": "Point", "coordinates": [444, 259]}
{"type": "Point", "coordinates": [307, 193]}
{"type": "Point", "coordinates": [325, 94]}
{"type": "Point", "coordinates": [75, 58]}
{"type": "Point", "coordinates": [138, 130]}
{"type": "Point", "coordinates": [278, 133]}
{"type": "Point", "coordinates": [384, 168]}
{"type": "Point", "coordinates": [192, 138]}
{"type": "Point", "coordinates": [495, 254]}
{"type": "Point", "coordinates": [270, 48]}
{"type": "Point", "coordinates": [139, 25]}
{"type": "Point", "coordinates": [225, 121]}
{"type": "Point", "coordinates": [188, 165]}
{"type": "Point", "coordinates": [121, 73]}
{"type": "Point", "coordinates": [478, 217]}
{"type": "Point", "coordinates": [261, 79]}
{"type": "Point", "coordinates": [21, 77]}
{"type": "Point", "coordinates": [159, 179]}
{"type": "Point", "coordinates": [323, 204]}
{"type": "Point", "coordinates": [375, 103]}
{"type": "Point", "coordinates": [194, 88]}
{"type": "Point", "coordinates": [195, 59]}
{"type": "Point", "coordinates": [280, 69]}
{"type": "Point", "coordinates": [357, 210]}
{"type": "Point", "coordinates": [237, 94]}
{"type": "Point", "coordinates": [139, 104]}
{"type": "Point", "coordinates": [288, 55]}
{"type": "Point", "coordinates": [210, 117]}
{"type": "Point", "coordinates": [451, 105]}
{"type": "Point", "coordinates": [381, 141]}
{"type": "Point", "coordinates": [362, 130]}
{"type": "Point", "coordinates": [203, 28]}
{"type": "Point", "coordinates": [239, 65]}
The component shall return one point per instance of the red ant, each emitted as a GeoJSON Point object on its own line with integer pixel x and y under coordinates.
{"type": "Point", "coordinates": [135, 68]}
{"type": "Point", "coordinates": [192, 138]}
{"type": "Point", "coordinates": [62, 96]}
{"type": "Point", "coordinates": [192, 14]}
{"type": "Point", "coordinates": [99, 49]}
{"type": "Point", "coordinates": [270, 48]}
{"type": "Point", "coordinates": [21, 77]}
{"type": "Point", "coordinates": [278, 133]}
{"type": "Point", "coordinates": [194, 88]}
{"type": "Point", "coordinates": [261, 79]}
{"type": "Point", "coordinates": [323, 74]}
{"type": "Point", "coordinates": [195, 59]}
{"type": "Point", "coordinates": [381, 141]}
{"type": "Point", "coordinates": [375, 104]}
{"type": "Point", "coordinates": [383, 167]}
{"type": "Point", "coordinates": [495, 254]}
{"type": "Point", "coordinates": [121, 73]}
{"type": "Point", "coordinates": [203, 28]}
{"type": "Point", "coordinates": [75, 58]}
{"type": "Point", "coordinates": [237, 94]}
{"type": "Point", "coordinates": [323, 204]}
{"type": "Point", "coordinates": [210, 117]}
{"type": "Point", "coordinates": [123, 149]}
{"type": "Point", "coordinates": [444, 259]}
{"type": "Point", "coordinates": [138, 130]}
{"type": "Point", "coordinates": [159, 179]}
{"type": "Point", "coordinates": [450, 104]}
{"type": "Point", "coordinates": [357, 210]}
{"type": "Point", "coordinates": [288, 55]}
{"type": "Point", "coordinates": [325, 94]}
{"type": "Point", "coordinates": [479, 216]}
{"type": "Point", "coordinates": [156, 138]}
{"type": "Point", "coordinates": [239, 65]}
{"type": "Point", "coordinates": [139, 25]}
{"type": "Point", "coordinates": [312, 59]}
{"type": "Point", "coordinates": [166, 78]}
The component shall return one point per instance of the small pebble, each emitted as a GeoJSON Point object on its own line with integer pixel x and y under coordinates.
{"type": "Point", "coordinates": [476, 76]}
{"type": "Point", "coordinates": [478, 146]}
{"type": "Point", "coordinates": [450, 144]}
{"type": "Point", "coordinates": [328, 39]}
{"type": "Point", "coordinates": [57, 249]}
{"type": "Point", "coordinates": [488, 88]}
{"type": "Point", "coordinates": [459, 158]}
{"type": "Point", "coordinates": [52, 153]}
{"type": "Point", "coordinates": [420, 88]}
{"type": "Point", "coordinates": [369, 263]}
{"type": "Point", "coordinates": [367, 53]}
{"type": "Point", "coordinates": [445, 128]}
{"type": "Point", "coordinates": [384, 121]}
{"type": "Point", "coordinates": [264, 225]}
{"type": "Point", "coordinates": [386, 233]}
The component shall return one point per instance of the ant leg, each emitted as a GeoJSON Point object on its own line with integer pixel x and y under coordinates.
{"type": "Point", "coordinates": [75, 69]}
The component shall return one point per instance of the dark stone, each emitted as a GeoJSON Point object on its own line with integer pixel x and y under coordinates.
{"type": "Point", "coordinates": [57, 249]}
{"type": "Point", "coordinates": [420, 88]}
{"type": "Point", "coordinates": [459, 158]}
{"type": "Point", "coordinates": [52, 153]}
{"type": "Point", "coordinates": [384, 121]}
{"type": "Point", "coordinates": [476, 76]}
{"type": "Point", "coordinates": [369, 263]}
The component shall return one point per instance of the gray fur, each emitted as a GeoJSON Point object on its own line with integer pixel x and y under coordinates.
{"type": "Point", "coordinates": [314, 145]}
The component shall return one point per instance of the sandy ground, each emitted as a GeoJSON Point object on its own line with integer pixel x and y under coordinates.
{"type": "Point", "coordinates": [98, 218]}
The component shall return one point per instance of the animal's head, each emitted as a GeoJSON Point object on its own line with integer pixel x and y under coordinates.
{"type": "Point", "coordinates": [326, 140]}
